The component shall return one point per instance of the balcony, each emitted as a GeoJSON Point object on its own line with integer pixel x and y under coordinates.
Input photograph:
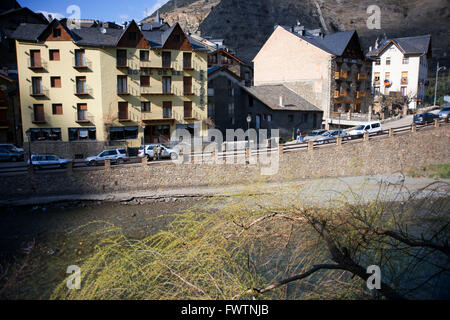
{"type": "Point", "coordinates": [83, 117]}
{"type": "Point", "coordinates": [37, 65]}
{"type": "Point", "coordinates": [404, 80]}
{"type": "Point", "coordinates": [38, 92]}
{"type": "Point", "coordinates": [83, 90]}
{"type": "Point", "coordinates": [122, 63]}
{"type": "Point", "coordinates": [361, 76]}
{"type": "Point", "coordinates": [123, 90]}
{"type": "Point", "coordinates": [350, 116]}
{"type": "Point", "coordinates": [124, 116]}
{"type": "Point", "coordinates": [83, 64]}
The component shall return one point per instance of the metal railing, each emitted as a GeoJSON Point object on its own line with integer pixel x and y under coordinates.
{"type": "Point", "coordinates": [85, 64]}
{"type": "Point", "coordinates": [83, 90]}
{"type": "Point", "coordinates": [37, 65]}
{"type": "Point", "coordinates": [38, 91]}
{"type": "Point", "coordinates": [82, 117]}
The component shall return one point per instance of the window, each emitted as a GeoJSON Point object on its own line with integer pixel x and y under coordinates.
{"type": "Point", "coordinates": [377, 76]}
{"type": "Point", "coordinates": [35, 58]}
{"type": "Point", "coordinates": [81, 84]}
{"type": "Point", "coordinates": [132, 35]}
{"type": "Point", "coordinates": [38, 134]}
{"type": "Point", "coordinates": [231, 112]}
{"type": "Point", "coordinates": [54, 55]}
{"type": "Point", "coordinates": [187, 85]}
{"type": "Point", "coordinates": [56, 33]}
{"type": "Point", "coordinates": [176, 38]}
{"type": "Point", "coordinates": [38, 113]}
{"type": "Point", "coordinates": [167, 84]}
{"type": "Point", "coordinates": [167, 109]}
{"type": "Point", "coordinates": [57, 108]}
{"type": "Point", "coordinates": [387, 75]}
{"type": "Point", "coordinates": [80, 58]}
{"type": "Point", "coordinates": [404, 91]}
{"type": "Point", "coordinates": [166, 59]}
{"type": "Point", "coordinates": [210, 109]}
{"type": "Point", "coordinates": [82, 112]}
{"type": "Point", "coordinates": [144, 55]}
{"type": "Point", "coordinates": [377, 90]}
{"type": "Point", "coordinates": [258, 121]}
{"type": "Point", "coordinates": [269, 118]}
{"type": "Point", "coordinates": [145, 81]}
{"type": "Point", "coordinates": [121, 58]}
{"type": "Point", "coordinates": [388, 61]}
{"type": "Point", "coordinates": [187, 60]}
{"type": "Point", "coordinates": [188, 109]}
{"type": "Point", "coordinates": [404, 79]}
{"type": "Point", "coordinates": [145, 106]}
{"type": "Point", "coordinates": [123, 111]}
{"type": "Point", "coordinates": [123, 133]}
{"type": "Point", "coordinates": [122, 84]}
{"type": "Point", "coordinates": [55, 82]}
{"type": "Point", "coordinates": [290, 117]}
{"type": "Point", "coordinates": [36, 85]}
{"type": "Point", "coordinates": [405, 60]}
{"type": "Point", "coordinates": [76, 134]}
{"type": "Point", "coordinates": [305, 117]}
{"type": "Point", "coordinates": [378, 62]}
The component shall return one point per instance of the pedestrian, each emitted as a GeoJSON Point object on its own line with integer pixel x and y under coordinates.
{"type": "Point", "coordinates": [158, 151]}
{"type": "Point", "coordinates": [299, 136]}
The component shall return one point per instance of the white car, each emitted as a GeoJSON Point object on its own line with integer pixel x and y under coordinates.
{"type": "Point", "coordinates": [48, 161]}
{"type": "Point", "coordinates": [115, 155]}
{"type": "Point", "coordinates": [330, 136]}
{"type": "Point", "coordinates": [371, 127]}
{"type": "Point", "coordinates": [166, 152]}
{"type": "Point", "coordinates": [445, 112]}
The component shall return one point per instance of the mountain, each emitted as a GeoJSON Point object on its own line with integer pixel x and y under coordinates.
{"type": "Point", "coordinates": [246, 24]}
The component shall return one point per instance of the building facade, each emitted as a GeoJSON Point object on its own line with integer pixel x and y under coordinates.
{"type": "Point", "coordinates": [118, 86]}
{"type": "Point", "coordinates": [329, 71]}
{"type": "Point", "coordinates": [10, 119]}
{"type": "Point", "coordinates": [401, 66]}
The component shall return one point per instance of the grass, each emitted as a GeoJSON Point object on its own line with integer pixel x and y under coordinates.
{"type": "Point", "coordinates": [431, 171]}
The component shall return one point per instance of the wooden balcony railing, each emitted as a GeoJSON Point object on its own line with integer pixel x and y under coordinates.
{"type": "Point", "coordinates": [37, 65]}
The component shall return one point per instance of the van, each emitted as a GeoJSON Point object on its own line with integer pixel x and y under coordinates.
{"type": "Point", "coordinates": [370, 127]}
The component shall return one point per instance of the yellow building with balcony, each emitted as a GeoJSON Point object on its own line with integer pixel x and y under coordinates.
{"type": "Point", "coordinates": [110, 85]}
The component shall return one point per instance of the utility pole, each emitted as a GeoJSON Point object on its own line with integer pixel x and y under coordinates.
{"type": "Point", "coordinates": [436, 83]}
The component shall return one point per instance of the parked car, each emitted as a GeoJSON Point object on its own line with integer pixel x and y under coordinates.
{"type": "Point", "coordinates": [330, 136]}
{"type": "Point", "coordinates": [445, 112]}
{"type": "Point", "coordinates": [10, 155]}
{"type": "Point", "coordinates": [11, 147]}
{"type": "Point", "coordinates": [371, 127]}
{"type": "Point", "coordinates": [314, 134]}
{"type": "Point", "coordinates": [166, 152]}
{"type": "Point", "coordinates": [48, 161]}
{"type": "Point", "coordinates": [115, 155]}
{"type": "Point", "coordinates": [425, 118]}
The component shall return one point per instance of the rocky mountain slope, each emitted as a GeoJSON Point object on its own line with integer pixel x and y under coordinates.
{"type": "Point", "coordinates": [246, 24]}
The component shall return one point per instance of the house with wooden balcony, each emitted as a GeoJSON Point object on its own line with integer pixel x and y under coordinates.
{"type": "Point", "coordinates": [322, 68]}
{"type": "Point", "coordinates": [404, 63]}
{"type": "Point", "coordinates": [110, 85]}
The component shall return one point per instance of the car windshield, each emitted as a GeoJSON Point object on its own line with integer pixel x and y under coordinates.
{"type": "Point", "coordinates": [446, 108]}
{"type": "Point", "coordinates": [326, 134]}
{"type": "Point", "coordinates": [315, 133]}
{"type": "Point", "coordinates": [361, 127]}
{"type": "Point", "coordinates": [122, 151]}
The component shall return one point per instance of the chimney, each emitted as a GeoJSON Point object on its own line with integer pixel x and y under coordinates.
{"type": "Point", "coordinates": [281, 101]}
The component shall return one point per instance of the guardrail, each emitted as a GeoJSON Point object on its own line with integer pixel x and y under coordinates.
{"type": "Point", "coordinates": [211, 156]}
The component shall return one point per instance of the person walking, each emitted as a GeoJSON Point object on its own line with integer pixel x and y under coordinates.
{"type": "Point", "coordinates": [299, 136]}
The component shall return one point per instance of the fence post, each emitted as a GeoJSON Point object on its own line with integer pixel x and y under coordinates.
{"type": "Point", "coordinates": [247, 155]}
{"type": "Point", "coordinates": [366, 137]}
{"type": "Point", "coordinates": [70, 167]}
{"type": "Point", "coordinates": [391, 132]}
{"type": "Point", "coordinates": [107, 164]}
{"type": "Point", "coordinates": [413, 128]}
{"type": "Point", "coordinates": [339, 141]}
{"type": "Point", "coordinates": [436, 123]}
{"type": "Point", "coordinates": [310, 145]}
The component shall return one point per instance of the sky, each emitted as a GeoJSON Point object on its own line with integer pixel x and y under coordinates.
{"type": "Point", "coordinates": [104, 10]}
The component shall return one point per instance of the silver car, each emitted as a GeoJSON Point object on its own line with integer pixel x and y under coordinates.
{"type": "Point", "coordinates": [445, 112]}
{"type": "Point", "coordinates": [48, 161]}
{"type": "Point", "coordinates": [114, 155]}
{"type": "Point", "coordinates": [166, 152]}
{"type": "Point", "coordinates": [314, 134]}
{"type": "Point", "coordinates": [330, 136]}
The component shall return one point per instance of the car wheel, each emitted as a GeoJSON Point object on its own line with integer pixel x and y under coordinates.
{"type": "Point", "coordinates": [92, 163]}
{"type": "Point", "coordinates": [149, 158]}
{"type": "Point", "coordinates": [173, 156]}
{"type": "Point", "coordinates": [119, 161]}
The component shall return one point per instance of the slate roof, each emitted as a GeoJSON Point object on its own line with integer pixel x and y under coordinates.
{"type": "Point", "coordinates": [418, 45]}
{"type": "Point", "coordinates": [334, 43]}
{"type": "Point", "coordinates": [270, 96]}
{"type": "Point", "coordinates": [94, 36]}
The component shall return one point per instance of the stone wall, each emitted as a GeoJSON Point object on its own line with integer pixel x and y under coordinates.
{"type": "Point", "coordinates": [376, 156]}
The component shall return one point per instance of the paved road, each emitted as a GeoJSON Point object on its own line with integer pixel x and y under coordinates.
{"type": "Point", "coordinates": [405, 121]}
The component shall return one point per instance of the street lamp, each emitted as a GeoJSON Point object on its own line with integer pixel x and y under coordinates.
{"type": "Point", "coordinates": [436, 83]}
{"type": "Point", "coordinates": [249, 119]}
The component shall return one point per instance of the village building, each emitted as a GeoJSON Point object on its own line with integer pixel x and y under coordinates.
{"type": "Point", "coordinates": [117, 86]}
{"type": "Point", "coordinates": [400, 66]}
{"type": "Point", "coordinates": [329, 71]}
